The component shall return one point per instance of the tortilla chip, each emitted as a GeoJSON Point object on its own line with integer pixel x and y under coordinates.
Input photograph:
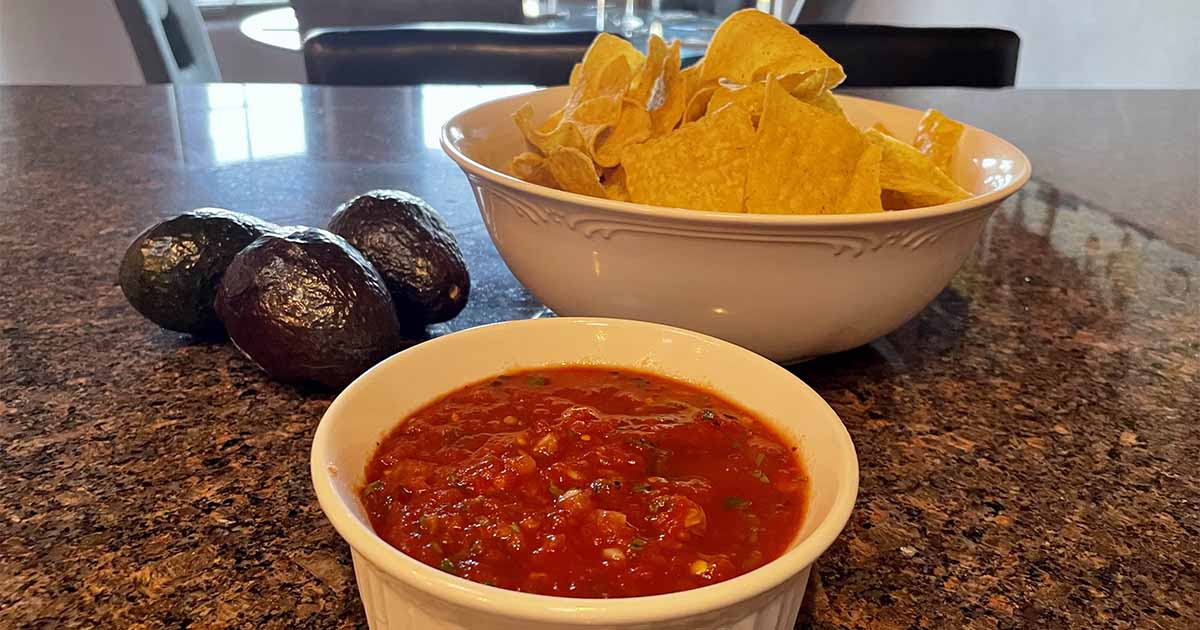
{"type": "Point", "coordinates": [593, 107]}
{"type": "Point", "coordinates": [651, 70]}
{"type": "Point", "coordinates": [600, 106]}
{"type": "Point", "coordinates": [633, 126]}
{"type": "Point", "coordinates": [612, 81]}
{"type": "Point", "coordinates": [909, 172]}
{"type": "Point", "coordinates": [574, 172]}
{"type": "Point", "coordinates": [752, 45]}
{"type": "Point", "coordinates": [532, 168]}
{"type": "Point", "coordinates": [551, 123]}
{"type": "Point", "coordinates": [660, 86]}
{"type": "Point", "coordinates": [892, 200]}
{"type": "Point", "coordinates": [748, 97]}
{"type": "Point", "coordinates": [863, 193]}
{"type": "Point", "coordinates": [546, 141]}
{"type": "Point", "coordinates": [614, 185]}
{"type": "Point", "coordinates": [809, 87]}
{"type": "Point", "coordinates": [882, 128]}
{"type": "Point", "coordinates": [576, 71]}
{"type": "Point", "coordinates": [594, 117]}
{"type": "Point", "coordinates": [691, 79]}
{"type": "Point", "coordinates": [937, 137]}
{"type": "Point", "coordinates": [805, 86]}
{"type": "Point", "coordinates": [827, 102]}
{"type": "Point", "coordinates": [701, 165]}
{"type": "Point", "coordinates": [668, 96]}
{"type": "Point", "coordinates": [698, 104]}
{"type": "Point", "coordinates": [604, 49]}
{"type": "Point", "coordinates": [803, 158]}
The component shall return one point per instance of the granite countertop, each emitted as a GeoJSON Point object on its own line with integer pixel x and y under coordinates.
{"type": "Point", "coordinates": [1028, 443]}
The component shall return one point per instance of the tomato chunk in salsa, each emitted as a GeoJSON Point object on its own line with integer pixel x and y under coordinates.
{"type": "Point", "coordinates": [586, 482]}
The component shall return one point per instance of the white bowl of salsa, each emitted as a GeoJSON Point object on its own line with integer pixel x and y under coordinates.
{"type": "Point", "coordinates": [575, 472]}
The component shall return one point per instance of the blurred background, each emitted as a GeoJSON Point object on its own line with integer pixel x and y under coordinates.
{"type": "Point", "coordinates": [1063, 43]}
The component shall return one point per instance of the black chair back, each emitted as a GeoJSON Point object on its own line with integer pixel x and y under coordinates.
{"type": "Point", "coordinates": [315, 14]}
{"type": "Point", "coordinates": [898, 56]}
{"type": "Point", "coordinates": [443, 52]}
{"type": "Point", "coordinates": [486, 53]}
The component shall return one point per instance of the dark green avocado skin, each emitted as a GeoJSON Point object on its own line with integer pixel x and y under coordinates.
{"type": "Point", "coordinates": [414, 251]}
{"type": "Point", "coordinates": [307, 307]}
{"type": "Point", "coordinates": [171, 271]}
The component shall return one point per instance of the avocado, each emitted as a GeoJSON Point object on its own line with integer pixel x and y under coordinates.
{"type": "Point", "coordinates": [307, 307]}
{"type": "Point", "coordinates": [170, 272]}
{"type": "Point", "coordinates": [414, 250]}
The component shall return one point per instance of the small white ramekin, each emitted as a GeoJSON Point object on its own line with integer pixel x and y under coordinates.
{"type": "Point", "coordinates": [399, 592]}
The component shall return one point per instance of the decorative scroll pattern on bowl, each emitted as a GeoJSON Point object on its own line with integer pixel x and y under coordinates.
{"type": "Point", "coordinates": [854, 244]}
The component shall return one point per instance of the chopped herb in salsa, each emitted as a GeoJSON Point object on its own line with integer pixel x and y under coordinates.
{"type": "Point", "coordinates": [736, 503]}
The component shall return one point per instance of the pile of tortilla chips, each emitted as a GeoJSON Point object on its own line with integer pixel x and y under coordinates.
{"type": "Point", "coordinates": [753, 127]}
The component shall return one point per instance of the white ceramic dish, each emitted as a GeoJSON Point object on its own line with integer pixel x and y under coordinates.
{"type": "Point", "coordinates": [399, 592]}
{"type": "Point", "coordinates": [787, 287]}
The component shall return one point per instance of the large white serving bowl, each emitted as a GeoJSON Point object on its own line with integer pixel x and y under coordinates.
{"type": "Point", "coordinates": [788, 287]}
{"type": "Point", "coordinates": [399, 592]}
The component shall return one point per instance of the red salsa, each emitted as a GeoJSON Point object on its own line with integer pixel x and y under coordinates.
{"type": "Point", "coordinates": [586, 482]}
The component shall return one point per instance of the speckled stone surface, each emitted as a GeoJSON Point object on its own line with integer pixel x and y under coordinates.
{"type": "Point", "coordinates": [1028, 443]}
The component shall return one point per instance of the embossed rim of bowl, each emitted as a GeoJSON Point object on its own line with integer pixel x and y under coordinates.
{"type": "Point", "coordinates": [1022, 172]}
{"type": "Point", "coordinates": [573, 610]}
